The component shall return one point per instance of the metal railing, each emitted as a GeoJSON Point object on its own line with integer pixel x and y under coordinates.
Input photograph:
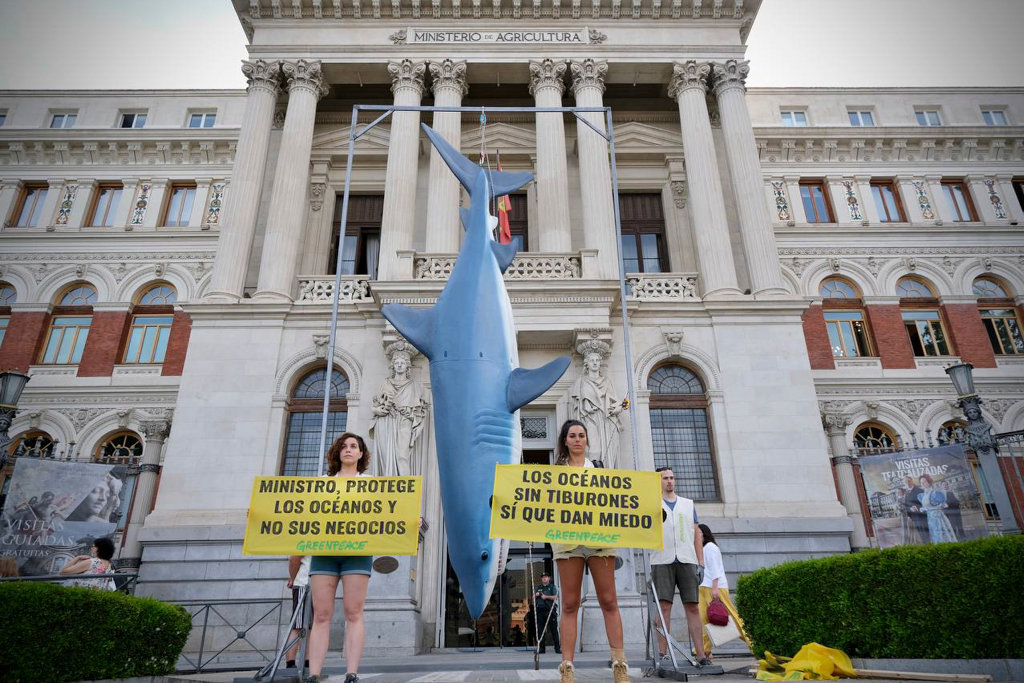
{"type": "Point", "coordinates": [123, 582]}
{"type": "Point", "coordinates": [210, 618]}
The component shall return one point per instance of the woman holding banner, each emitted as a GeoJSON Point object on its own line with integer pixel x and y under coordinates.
{"type": "Point", "coordinates": [571, 560]}
{"type": "Point", "coordinates": [347, 457]}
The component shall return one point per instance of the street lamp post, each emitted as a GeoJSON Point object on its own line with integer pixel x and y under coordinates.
{"type": "Point", "coordinates": [980, 439]}
{"type": "Point", "coordinates": [11, 385]}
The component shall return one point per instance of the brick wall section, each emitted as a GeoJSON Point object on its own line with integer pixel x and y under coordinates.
{"type": "Point", "coordinates": [862, 498]}
{"type": "Point", "coordinates": [816, 336]}
{"type": "Point", "coordinates": [26, 332]}
{"type": "Point", "coordinates": [1014, 488]}
{"type": "Point", "coordinates": [970, 340]}
{"type": "Point", "coordinates": [889, 335]}
{"type": "Point", "coordinates": [101, 348]}
{"type": "Point", "coordinates": [177, 344]}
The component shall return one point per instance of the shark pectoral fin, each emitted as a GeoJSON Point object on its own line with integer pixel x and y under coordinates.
{"type": "Point", "coordinates": [464, 215]}
{"type": "Point", "coordinates": [416, 325]}
{"type": "Point", "coordinates": [503, 182]}
{"type": "Point", "coordinates": [526, 385]}
{"type": "Point", "coordinates": [464, 169]}
{"type": "Point", "coordinates": [504, 253]}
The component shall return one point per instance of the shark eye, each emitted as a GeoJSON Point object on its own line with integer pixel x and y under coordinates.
{"type": "Point", "coordinates": [484, 556]}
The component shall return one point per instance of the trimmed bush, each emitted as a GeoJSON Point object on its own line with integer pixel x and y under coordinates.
{"type": "Point", "coordinates": [948, 601]}
{"type": "Point", "coordinates": [56, 633]}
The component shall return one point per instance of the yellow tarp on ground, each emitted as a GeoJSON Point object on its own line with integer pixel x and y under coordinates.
{"type": "Point", "coordinates": [813, 662]}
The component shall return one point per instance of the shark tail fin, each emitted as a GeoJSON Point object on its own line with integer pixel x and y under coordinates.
{"type": "Point", "coordinates": [502, 182]}
{"type": "Point", "coordinates": [416, 325]}
{"type": "Point", "coordinates": [526, 385]}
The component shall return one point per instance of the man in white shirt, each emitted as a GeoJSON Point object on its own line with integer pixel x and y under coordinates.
{"type": "Point", "coordinates": [680, 564]}
{"type": "Point", "coordinates": [298, 576]}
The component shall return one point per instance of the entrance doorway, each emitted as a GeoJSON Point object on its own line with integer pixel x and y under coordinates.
{"type": "Point", "coordinates": [504, 620]}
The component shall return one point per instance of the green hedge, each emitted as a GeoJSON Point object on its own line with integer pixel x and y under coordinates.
{"type": "Point", "coordinates": [948, 601]}
{"type": "Point", "coordinates": [55, 633]}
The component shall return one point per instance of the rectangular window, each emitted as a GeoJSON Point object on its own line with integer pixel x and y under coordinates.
{"type": "Point", "coordinates": [794, 118]}
{"type": "Point", "coordinates": [815, 199]}
{"type": "Point", "coordinates": [67, 340]}
{"type": "Point", "coordinates": [887, 199]}
{"type": "Point", "coordinates": [132, 120]}
{"type": "Point", "coordinates": [682, 440]}
{"type": "Point", "coordinates": [927, 336]}
{"type": "Point", "coordinates": [179, 204]}
{"type": "Point", "coordinates": [360, 248]}
{"type": "Point", "coordinates": [518, 221]}
{"type": "Point", "coordinates": [3, 117]}
{"type": "Point", "coordinates": [959, 200]}
{"type": "Point", "coordinates": [201, 120]}
{"type": "Point", "coordinates": [105, 205]}
{"type": "Point", "coordinates": [861, 118]}
{"type": "Point", "coordinates": [3, 328]}
{"type": "Point", "coordinates": [847, 333]}
{"type": "Point", "coordinates": [147, 339]}
{"type": "Point", "coordinates": [643, 233]}
{"type": "Point", "coordinates": [30, 207]}
{"type": "Point", "coordinates": [928, 117]}
{"type": "Point", "coordinates": [1018, 189]}
{"type": "Point", "coordinates": [1003, 331]}
{"type": "Point", "coordinates": [66, 120]}
{"type": "Point", "coordinates": [994, 117]}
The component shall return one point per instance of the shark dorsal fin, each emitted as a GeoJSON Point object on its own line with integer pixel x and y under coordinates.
{"type": "Point", "coordinates": [526, 385]}
{"type": "Point", "coordinates": [416, 325]}
{"type": "Point", "coordinates": [504, 253]}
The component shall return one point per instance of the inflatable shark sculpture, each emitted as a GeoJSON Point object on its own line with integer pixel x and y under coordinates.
{"type": "Point", "coordinates": [477, 384]}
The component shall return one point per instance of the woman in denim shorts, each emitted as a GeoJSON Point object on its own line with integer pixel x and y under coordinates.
{"type": "Point", "coordinates": [572, 449]}
{"type": "Point", "coordinates": [347, 457]}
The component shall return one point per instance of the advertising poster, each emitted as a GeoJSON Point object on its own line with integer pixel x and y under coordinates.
{"type": "Point", "coordinates": [55, 509]}
{"type": "Point", "coordinates": [922, 496]}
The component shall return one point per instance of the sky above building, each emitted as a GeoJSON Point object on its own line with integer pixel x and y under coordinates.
{"type": "Point", "coordinates": [197, 44]}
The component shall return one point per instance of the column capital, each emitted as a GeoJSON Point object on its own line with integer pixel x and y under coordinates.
{"type": "Point", "coordinates": [155, 430]}
{"type": "Point", "coordinates": [834, 420]}
{"type": "Point", "coordinates": [407, 74]}
{"type": "Point", "coordinates": [305, 74]}
{"type": "Point", "coordinates": [449, 73]}
{"type": "Point", "coordinates": [730, 74]}
{"type": "Point", "coordinates": [262, 75]}
{"type": "Point", "coordinates": [588, 73]}
{"type": "Point", "coordinates": [687, 75]}
{"type": "Point", "coordinates": [547, 73]}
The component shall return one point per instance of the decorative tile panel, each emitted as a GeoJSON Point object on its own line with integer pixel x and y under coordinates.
{"type": "Point", "coordinates": [781, 204]}
{"type": "Point", "coordinates": [141, 204]}
{"type": "Point", "coordinates": [923, 201]}
{"type": "Point", "coordinates": [66, 203]}
{"type": "Point", "coordinates": [216, 202]}
{"type": "Point", "coordinates": [852, 203]}
{"type": "Point", "coordinates": [993, 196]}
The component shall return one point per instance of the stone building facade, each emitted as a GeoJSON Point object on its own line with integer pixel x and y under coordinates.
{"type": "Point", "coordinates": [801, 266]}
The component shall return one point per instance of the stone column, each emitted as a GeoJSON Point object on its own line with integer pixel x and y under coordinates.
{"type": "Point", "coordinates": [443, 225]}
{"type": "Point", "coordinates": [868, 208]}
{"type": "Point", "coordinates": [835, 422]}
{"type": "Point", "coordinates": [595, 171]}
{"type": "Point", "coordinates": [399, 217]}
{"type": "Point", "coordinates": [155, 432]}
{"type": "Point", "coordinates": [9, 191]}
{"type": "Point", "coordinates": [195, 219]}
{"type": "Point", "coordinates": [940, 204]}
{"type": "Point", "coordinates": [239, 229]}
{"type": "Point", "coordinates": [796, 200]}
{"type": "Point", "coordinates": [759, 246]}
{"type": "Point", "coordinates": [554, 229]}
{"type": "Point", "coordinates": [988, 203]}
{"type": "Point", "coordinates": [83, 201]}
{"type": "Point", "coordinates": [123, 212]}
{"type": "Point", "coordinates": [707, 203]}
{"type": "Point", "coordinates": [287, 214]}
{"type": "Point", "coordinates": [840, 204]}
{"type": "Point", "coordinates": [48, 213]}
{"type": "Point", "coordinates": [156, 203]}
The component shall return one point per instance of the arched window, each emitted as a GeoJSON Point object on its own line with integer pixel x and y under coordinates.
{"type": "Point", "coordinates": [123, 450]}
{"type": "Point", "coordinates": [952, 431]}
{"type": "Point", "coordinates": [8, 295]}
{"type": "Point", "coordinates": [120, 448]}
{"type": "Point", "coordinates": [34, 443]}
{"type": "Point", "coordinates": [922, 318]}
{"type": "Point", "coordinates": [305, 412]}
{"type": "Point", "coordinates": [995, 304]}
{"type": "Point", "coordinates": [680, 431]}
{"type": "Point", "coordinates": [152, 316]}
{"type": "Point", "coordinates": [872, 438]}
{"type": "Point", "coordinates": [844, 318]}
{"type": "Point", "coordinates": [69, 325]}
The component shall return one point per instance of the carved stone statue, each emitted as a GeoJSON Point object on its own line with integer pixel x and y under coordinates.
{"type": "Point", "coordinates": [594, 402]}
{"type": "Point", "coordinates": [399, 415]}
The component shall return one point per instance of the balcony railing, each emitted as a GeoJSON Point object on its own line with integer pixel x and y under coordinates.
{"type": "Point", "coordinates": [525, 266]}
{"type": "Point", "coordinates": [662, 286]}
{"type": "Point", "coordinates": [320, 289]}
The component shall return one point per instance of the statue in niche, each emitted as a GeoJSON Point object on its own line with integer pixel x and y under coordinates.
{"type": "Point", "coordinates": [594, 402]}
{"type": "Point", "coordinates": [399, 414]}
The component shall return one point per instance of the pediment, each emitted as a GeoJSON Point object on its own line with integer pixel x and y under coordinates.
{"type": "Point", "coordinates": [634, 137]}
{"type": "Point", "coordinates": [336, 139]}
{"type": "Point", "coordinates": [503, 136]}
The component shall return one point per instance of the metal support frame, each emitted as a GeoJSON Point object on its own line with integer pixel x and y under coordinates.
{"type": "Point", "coordinates": [287, 642]}
{"type": "Point", "coordinates": [609, 135]}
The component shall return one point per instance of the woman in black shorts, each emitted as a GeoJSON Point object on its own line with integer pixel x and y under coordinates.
{"type": "Point", "coordinates": [347, 457]}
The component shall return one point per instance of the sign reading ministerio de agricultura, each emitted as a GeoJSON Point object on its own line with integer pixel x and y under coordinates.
{"type": "Point", "coordinates": [445, 36]}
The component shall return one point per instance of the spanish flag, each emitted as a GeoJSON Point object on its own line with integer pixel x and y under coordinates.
{"type": "Point", "coordinates": [504, 208]}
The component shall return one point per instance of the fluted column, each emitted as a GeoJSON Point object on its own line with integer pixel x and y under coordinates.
{"type": "Point", "coordinates": [400, 180]}
{"type": "Point", "coordinates": [554, 230]}
{"type": "Point", "coordinates": [239, 227]}
{"type": "Point", "coordinates": [155, 432]}
{"type": "Point", "coordinates": [595, 170]}
{"type": "Point", "coordinates": [287, 211]}
{"type": "Point", "coordinates": [755, 224]}
{"type": "Point", "coordinates": [835, 423]}
{"type": "Point", "coordinates": [707, 204]}
{"type": "Point", "coordinates": [449, 85]}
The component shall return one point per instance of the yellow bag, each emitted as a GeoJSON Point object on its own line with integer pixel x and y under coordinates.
{"type": "Point", "coordinates": [812, 662]}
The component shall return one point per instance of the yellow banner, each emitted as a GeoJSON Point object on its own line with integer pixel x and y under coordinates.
{"type": "Point", "coordinates": [333, 516]}
{"type": "Point", "coordinates": [575, 506]}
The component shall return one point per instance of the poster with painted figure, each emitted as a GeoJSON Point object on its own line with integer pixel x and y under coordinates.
{"type": "Point", "coordinates": [923, 496]}
{"type": "Point", "coordinates": [55, 509]}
